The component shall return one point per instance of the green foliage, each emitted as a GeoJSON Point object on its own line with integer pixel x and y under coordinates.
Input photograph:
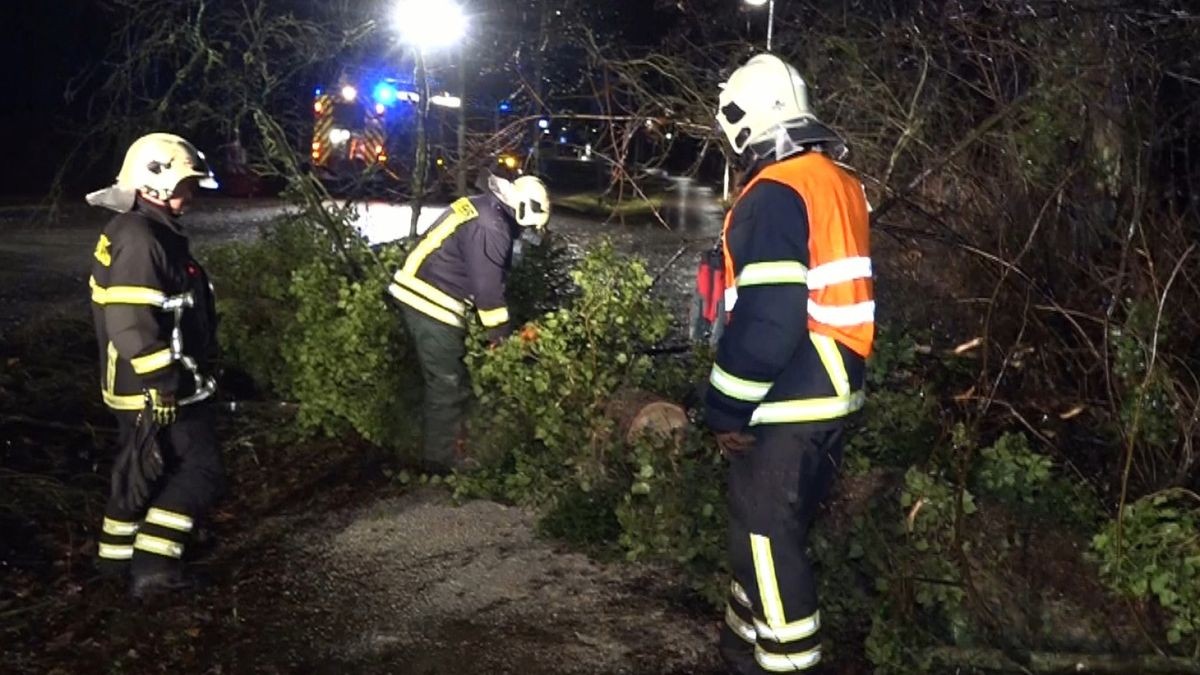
{"type": "Point", "coordinates": [1153, 552]}
{"type": "Point", "coordinates": [1028, 481]}
{"type": "Point", "coordinates": [674, 509]}
{"type": "Point", "coordinates": [1145, 399]}
{"type": "Point", "coordinates": [1010, 470]}
{"type": "Point", "coordinates": [314, 325]}
{"type": "Point", "coordinates": [898, 426]}
{"type": "Point", "coordinates": [540, 281]}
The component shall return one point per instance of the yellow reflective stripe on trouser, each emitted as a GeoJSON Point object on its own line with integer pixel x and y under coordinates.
{"type": "Point", "coordinates": [158, 546]}
{"type": "Point", "coordinates": [126, 295]}
{"type": "Point", "coordinates": [152, 362]}
{"type": "Point", "coordinates": [169, 519]}
{"type": "Point", "coordinates": [827, 349]}
{"type": "Point", "coordinates": [737, 388]}
{"type": "Point", "coordinates": [493, 317]}
{"type": "Point", "coordinates": [779, 272]}
{"type": "Point", "coordinates": [790, 632]}
{"type": "Point", "coordinates": [768, 587]}
{"type": "Point", "coordinates": [430, 292]}
{"type": "Point", "coordinates": [119, 528]}
{"type": "Point", "coordinates": [738, 625]}
{"type": "Point", "coordinates": [807, 409]}
{"type": "Point", "coordinates": [115, 551]}
{"type": "Point", "coordinates": [426, 307]}
{"type": "Point", "coordinates": [787, 663]}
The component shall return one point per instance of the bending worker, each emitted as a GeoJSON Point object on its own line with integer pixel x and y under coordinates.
{"type": "Point", "coordinates": [790, 365]}
{"type": "Point", "coordinates": [459, 268]}
{"type": "Point", "coordinates": [156, 328]}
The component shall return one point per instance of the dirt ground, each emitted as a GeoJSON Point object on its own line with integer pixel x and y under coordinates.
{"type": "Point", "coordinates": [318, 561]}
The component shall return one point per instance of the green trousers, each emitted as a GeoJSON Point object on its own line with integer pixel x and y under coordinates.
{"type": "Point", "coordinates": [440, 349]}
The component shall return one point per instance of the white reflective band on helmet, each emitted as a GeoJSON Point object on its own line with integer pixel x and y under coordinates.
{"type": "Point", "coordinates": [158, 545]}
{"type": "Point", "coordinates": [796, 630]}
{"type": "Point", "coordinates": [737, 388]}
{"type": "Point", "coordinates": [807, 410]}
{"type": "Point", "coordinates": [787, 663]}
{"type": "Point", "coordinates": [739, 626]}
{"type": "Point", "coordinates": [169, 519]}
{"type": "Point", "coordinates": [779, 272]}
{"type": "Point", "coordinates": [839, 271]}
{"type": "Point", "coordinates": [115, 552]}
{"type": "Point", "coordinates": [119, 529]}
{"type": "Point", "coordinates": [848, 315]}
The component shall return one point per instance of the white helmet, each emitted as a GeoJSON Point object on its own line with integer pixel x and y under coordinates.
{"type": "Point", "coordinates": [762, 100]}
{"type": "Point", "coordinates": [527, 196]}
{"type": "Point", "coordinates": [157, 163]}
{"type": "Point", "coordinates": [154, 164]}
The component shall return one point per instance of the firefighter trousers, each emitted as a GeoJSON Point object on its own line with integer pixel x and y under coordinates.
{"type": "Point", "coordinates": [772, 624]}
{"type": "Point", "coordinates": [441, 349]}
{"type": "Point", "coordinates": [153, 540]}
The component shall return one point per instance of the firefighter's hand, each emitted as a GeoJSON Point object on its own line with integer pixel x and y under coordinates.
{"type": "Point", "coordinates": [162, 406]}
{"type": "Point", "coordinates": [734, 442]}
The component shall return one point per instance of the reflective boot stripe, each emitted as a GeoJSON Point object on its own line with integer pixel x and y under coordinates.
{"type": "Point", "coordinates": [739, 626]}
{"type": "Point", "coordinates": [158, 546]}
{"type": "Point", "coordinates": [115, 551]}
{"type": "Point", "coordinates": [119, 528]}
{"type": "Point", "coordinates": [787, 663]}
{"type": "Point", "coordinates": [169, 519]}
{"type": "Point", "coordinates": [790, 632]}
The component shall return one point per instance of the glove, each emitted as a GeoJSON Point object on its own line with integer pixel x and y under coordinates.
{"type": "Point", "coordinates": [139, 465]}
{"type": "Point", "coordinates": [734, 442]}
{"type": "Point", "coordinates": [161, 406]}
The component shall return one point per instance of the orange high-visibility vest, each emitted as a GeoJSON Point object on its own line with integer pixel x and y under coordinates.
{"type": "Point", "coordinates": [841, 295]}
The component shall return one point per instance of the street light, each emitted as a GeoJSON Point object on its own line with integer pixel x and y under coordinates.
{"type": "Point", "coordinates": [427, 25]}
{"type": "Point", "coordinates": [770, 16]}
{"type": "Point", "coordinates": [430, 24]}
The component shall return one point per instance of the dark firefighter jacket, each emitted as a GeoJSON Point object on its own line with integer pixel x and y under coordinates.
{"type": "Point", "coordinates": [461, 265]}
{"type": "Point", "coordinates": [153, 310]}
{"type": "Point", "coordinates": [799, 291]}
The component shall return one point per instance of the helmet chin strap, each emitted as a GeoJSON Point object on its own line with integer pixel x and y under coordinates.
{"type": "Point", "coordinates": [797, 137]}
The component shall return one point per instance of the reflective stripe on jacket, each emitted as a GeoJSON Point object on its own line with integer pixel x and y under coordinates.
{"type": "Point", "coordinates": [461, 264]}
{"type": "Point", "coordinates": [800, 295]}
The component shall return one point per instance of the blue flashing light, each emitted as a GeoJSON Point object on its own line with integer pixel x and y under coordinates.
{"type": "Point", "coordinates": [562, 140]}
{"type": "Point", "coordinates": [385, 93]}
{"type": "Point", "coordinates": [317, 91]}
{"type": "Point", "coordinates": [504, 106]}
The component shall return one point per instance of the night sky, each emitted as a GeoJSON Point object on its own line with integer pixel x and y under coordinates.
{"type": "Point", "coordinates": [47, 43]}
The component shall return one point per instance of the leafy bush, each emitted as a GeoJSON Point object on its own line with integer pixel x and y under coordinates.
{"type": "Point", "coordinates": [314, 325]}
{"type": "Point", "coordinates": [1153, 552]}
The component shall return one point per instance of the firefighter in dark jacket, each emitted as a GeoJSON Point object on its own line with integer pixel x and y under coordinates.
{"type": "Point", "coordinates": [790, 365]}
{"type": "Point", "coordinates": [459, 268]}
{"type": "Point", "coordinates": [156, 328]}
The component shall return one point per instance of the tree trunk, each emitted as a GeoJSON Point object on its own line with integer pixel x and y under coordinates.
{"type": "Point", "coordinates": [422, 158]}
{"type": "Point", "coordinates": [639, 414]}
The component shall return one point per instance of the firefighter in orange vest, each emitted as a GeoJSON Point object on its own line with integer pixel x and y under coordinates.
{"type": "Point", "coordinates": [790, 365]}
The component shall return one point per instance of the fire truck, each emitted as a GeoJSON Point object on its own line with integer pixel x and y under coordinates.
{"type": "Point", "coordinates": [361, 123]}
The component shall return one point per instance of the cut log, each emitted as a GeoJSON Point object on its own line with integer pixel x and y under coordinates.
{"type": "Point", "coordinates": [640, 413]}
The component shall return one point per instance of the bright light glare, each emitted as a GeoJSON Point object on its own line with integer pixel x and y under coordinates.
{"type": "Point", "coordinates": [349, 93]}
{"type": "Point", "coordinates": [756, 3]}
{"type": "Point", "coordinates": [543, 124]}
{"type": "Point", "coordinates": [385, 93]}
{"type": "Point", "coordinates": [430, 23]}
{"type": "Point", "coordinates": [446, 101]}
{"type": "Point", "coordinates": [339, 136]}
